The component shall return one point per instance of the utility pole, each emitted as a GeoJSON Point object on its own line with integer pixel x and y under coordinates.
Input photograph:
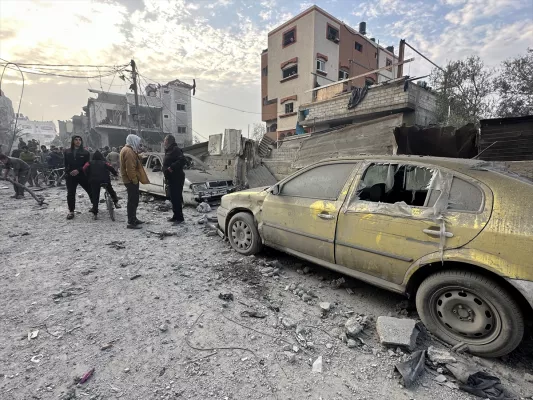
{"type": "Point", "coordinates": [134, 87]}
{"type": "Point", "coordinates": [401, 55]}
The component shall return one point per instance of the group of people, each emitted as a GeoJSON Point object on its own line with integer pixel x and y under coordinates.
{"type": "Point", "coordinates": [92, 171]}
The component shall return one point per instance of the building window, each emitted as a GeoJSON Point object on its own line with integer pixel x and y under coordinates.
{"type": "Point", "coordinates": [358, 47]}
{"type": "Point", "coordinates": [180, 107]}
{"type": "Point", "coordinates": [289, 37]}
{"type": "Point", "coordinates": [264, 71]}
{"type": "Point", "coordinates": [343, 74]}
{"type": "Point", "coordinates": [320, 65]}
{"type": "Point", "coordinates": [182, 129]}
{"type": "Point", "coordinates": [388, 62]}
{"type": "Point", "coordinates": [288, 72]}
{"type": "Point", "coordinates": [332, 34]}
{"type": "Point", "coordinates": [165, 116]}
{"type": "Point", "coordinates": [289, 107]}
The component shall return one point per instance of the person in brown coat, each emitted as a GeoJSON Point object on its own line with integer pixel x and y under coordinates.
{"type": "Point", "coordinates": [132, 172]}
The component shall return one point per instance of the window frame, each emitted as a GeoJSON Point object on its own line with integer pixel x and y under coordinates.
{"type": "Point", "coordinates": [182, 127]}
{"type": "Point", "coordinates": [360, 45]}
{"type": "Point", "coordinates": [295, 65]}
{"type": "Point", "coordinates": [337, 39]}
{"type": "Point", "coordinates": [293, 29]}
{"type": "Point", "coordinates": [356, 164]}
{"type": "Point", "coordinates": [165, 116]}
{"type": "Point", "coordinates": [342, 70]}
{"type": "Point", "coordinates": [181, 104]}
{"type": "Point", "coordinates": [320, 61]}
{"type": "Point", "coordinates": [388, 63]}
{"type": "Point", "coordinates": [291, 104]}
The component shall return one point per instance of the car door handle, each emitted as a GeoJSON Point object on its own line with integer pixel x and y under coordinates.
{"type": "Point", "coordinates": [431, 232]}
{"type": "Point", "coordinates": [325, 216]}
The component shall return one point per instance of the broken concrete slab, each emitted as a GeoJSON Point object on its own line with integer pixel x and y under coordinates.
{"type": "Point", "coordinates": [317, 365]}
{"type": "Point", "coordinates": [397, 332]}
{"type": "Point", "coordinates": [440, 378]}
{"type": "Point", "coordinates": [439, 356]}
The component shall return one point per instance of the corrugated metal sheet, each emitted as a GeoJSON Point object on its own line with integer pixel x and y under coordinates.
{"type": "Point", "coordinates": [506, 139]}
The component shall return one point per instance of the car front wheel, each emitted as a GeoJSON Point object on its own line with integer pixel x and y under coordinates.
{"type": "Point", "coordinates": [465, 307]}
{"type": "Point", "coordinates": [243, 234]}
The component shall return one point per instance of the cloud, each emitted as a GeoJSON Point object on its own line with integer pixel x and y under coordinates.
{"type": "Point", "coordinates": [478, 9]}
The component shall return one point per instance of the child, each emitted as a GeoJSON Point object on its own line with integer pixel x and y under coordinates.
{"type": "Point", "coordinates": [97, 170]}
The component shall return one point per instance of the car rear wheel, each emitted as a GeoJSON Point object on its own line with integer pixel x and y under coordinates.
{"type": "Point", "coordinates": [464, 307]}
{"type": "Point", "coordinates": [243, 234]}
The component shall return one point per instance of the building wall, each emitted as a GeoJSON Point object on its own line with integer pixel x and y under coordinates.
{"type": "Point", "coordinates": [43, 131]}
{"type": "Point", "coordinates": [361, 61]}
{"type": "Point", "coordinates": [180, 95]}
{"type": "Point", "coordinates": [277, 54]}
{"type": "Point", "coordinates": [269, 111]}
{"type": "Point", "coordinates": [326, 47]}
{"type": "Point", "coordinates": [385, 74]}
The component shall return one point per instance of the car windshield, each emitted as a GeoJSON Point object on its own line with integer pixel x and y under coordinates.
{"type": "Point", "coordinates": [195, 163]}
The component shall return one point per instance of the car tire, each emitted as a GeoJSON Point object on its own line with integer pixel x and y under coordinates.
{"type": "Point", "coordinates": [459, 306]}
{"type": "Point", "coordinates": [243, 234]}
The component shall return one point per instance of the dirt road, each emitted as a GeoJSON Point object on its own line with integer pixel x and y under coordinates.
{"type": "Point", "coordinates": [145, 314]}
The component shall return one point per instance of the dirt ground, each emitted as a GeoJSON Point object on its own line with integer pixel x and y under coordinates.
{"type": "Point", "coordinates": [145, 314]}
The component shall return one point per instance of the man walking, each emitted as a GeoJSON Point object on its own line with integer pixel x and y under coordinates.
{"type": "Point", "coordinates": [114, 158]}
{"type": "Point", "coordinates": [20, 173]}
{"type": "Point", "coordinates": [173, 164]}
{"type": "Point", "coordinates": [75, 159]}
{"type": "Point", "coordinates": [29, 158]}
{"type": "Point", "coordinates": [132, 173]}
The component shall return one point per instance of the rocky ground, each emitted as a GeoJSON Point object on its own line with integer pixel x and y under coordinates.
{"type": "Point", "coordinates": [184, 317]}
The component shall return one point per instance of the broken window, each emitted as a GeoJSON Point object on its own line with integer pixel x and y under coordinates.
{"type": "Point", "coordinates": [464, 196]}
{"type": "Point", "coordinates": [182, 129]}
{"type": "Point", "coordinates": [180, 107]}
{"type": "Point", "coordinates": [389, 62]}
{"type": "Point", "coordinates": [332, 34]}
{"type": "Point", "coordinates": [289, 107]}
{"type": "Point", "coordinates": [165, 116]}
{"type": "Point", "coordinates": [154, 162]}
{"type": "Point", "coordinates": [394, 183]}
{"type": "Point", "coordinates": [320, 65]}
{"type": "Point", "coordinates": [324, 182]}
{"type": "Point", "coordinates": [289, 37]}
{"type": "Point", "coordinates": [343, 74]}
{"type": "Point", "coordinates": [358, 47]}
{"type": "Point", "coordinates": [290, 71]}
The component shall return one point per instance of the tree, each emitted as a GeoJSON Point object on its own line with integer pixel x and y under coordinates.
{"type": "Point", "coordinates": [258, 131]}
{"type": "Point", "coordinates": [464, 89]}
{"type": "Point", "coordinates": [514, 84]}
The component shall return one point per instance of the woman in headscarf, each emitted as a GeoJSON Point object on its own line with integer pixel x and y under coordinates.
{"type": "Point", "coordinates": [132, 173]}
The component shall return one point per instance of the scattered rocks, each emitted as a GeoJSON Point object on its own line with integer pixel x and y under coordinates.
{"type": "Point", "coordinates": [528, 377]}
{"type": "Point", "coordinates": [106, 346]}
{"type": "Point", "coordinates": [438, 356]}
{"type": "Point", "coordinates": [203, 208]}
{"type": "Point", "coordinates": [306, 297]}
{"type": "Point", "coordinates": [317, 365]}
{"type": "Point", "coordinates": [288, 323]}
{"type": "Point", "coordinates": [351, 343]}
{"type": "Point", "coordinates": [324, 307]}
{"type": "Point", "coordinates": [306, 270]}
{"type": "Point", "coordinates": [440, 378]}
{"type": "Point", "coordinates": [163, 328]}
{"type": "Point", "coordinates": [353, 327]}
{"type": "Point", "coordinates": [337, 283]}
{"type": "Point", "coordinates": [226, 296]}
{"type": "Point", "coordinates": [291, 357]}
{"type": "Point", "coordinates": [397, 332]}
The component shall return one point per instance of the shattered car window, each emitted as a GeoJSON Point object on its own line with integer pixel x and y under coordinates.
{"type": "Point", "coordinates": [324, 182]}
{"type": "Point", "coordinates": [394, 183]}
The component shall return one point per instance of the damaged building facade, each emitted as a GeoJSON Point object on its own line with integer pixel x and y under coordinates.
{"type": "Point", "coordinates": [314, 49]}
{"type": "Point", "coordinates": [163, 109]}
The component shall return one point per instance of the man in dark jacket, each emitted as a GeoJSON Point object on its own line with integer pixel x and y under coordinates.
{"type": "Point", "coordinates": [20, 173]}
{"type": "Point", "coordinates": [97, 170]}
{"type": "Point", "coordinates": [173, 164]}
{"type": "Point", "coordinates": [75, 158]}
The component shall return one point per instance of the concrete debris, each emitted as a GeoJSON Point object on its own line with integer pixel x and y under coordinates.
{"type": "Point", "coordinates": [528, 377]}
{"type": "Point", "coordinates": [440, 378]}
{"type": "Point", "coordinates": [438, 356]}
{"type": "Point", "coordinates": [302, 330]}
{"type": "Point", "coordinates": [106, 346]}
{"type": "Point", "coordinates": [226, 296]}
{"type": "Point", "coordinates": [288, 323]}
{"type": "Point", "coordinates": [203, 208]}
{"type": "Point", "coordinates": [306, 297]}
{"type": "Point", "coordinates": [351, 343]}
{"type": "Point", "coordinates": [329, 345]}
{"type": "Point", "coordinates": [306, 270]}
{"type": "Point", "coordinates": [33, 334]}
{"type": "Point", "coordinates": [163, 328]}
{"type": "Point", "coordinates": [317, 365]}
{"type": "Point", "coordinates": [252, 314]}
{"type": "Point", "coordinates": [349, 291]}
{"type": "Point", "coordinates": [354, 327]}
{"type": "Point", "coordinates": [203, 220]}
{"type": "Point", "coordinates": [117, 244]}
{"type": "Point", "coordinates": [291, 357]}
{"type": "Point", "coordinates": [397, 332]}
{"type": "Point", "coordinates": [324, 307]}
{"type": "Point", "coordinates": [337, 283]}
{"type": "Point", "coordinates": [295, 348]}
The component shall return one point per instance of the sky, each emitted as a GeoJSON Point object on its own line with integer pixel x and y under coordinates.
{"type": "Point", "coordinates": [218, 43]}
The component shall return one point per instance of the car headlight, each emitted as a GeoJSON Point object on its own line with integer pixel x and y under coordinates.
{"type": "Point", "coordinates": [198, 187]}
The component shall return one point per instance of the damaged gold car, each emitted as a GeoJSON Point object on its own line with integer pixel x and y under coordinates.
{"type": "Point", "coordinates": [454, 234]}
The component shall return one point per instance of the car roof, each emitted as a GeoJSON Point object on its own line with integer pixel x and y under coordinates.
{"type": "Point", "coordinates": [452, 163]}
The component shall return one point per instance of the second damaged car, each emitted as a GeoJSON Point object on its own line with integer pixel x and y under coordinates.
{"type": "Point", "coordinates": [454, 234]}
{"type": "Point", "coordinates": [201, 183]}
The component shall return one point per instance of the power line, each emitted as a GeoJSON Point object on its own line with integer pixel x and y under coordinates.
{"type": "Point", "coordinates": [70, 65]}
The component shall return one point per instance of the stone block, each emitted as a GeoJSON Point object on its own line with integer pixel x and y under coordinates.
{"type": "Point", "coordinates": [397, 332]}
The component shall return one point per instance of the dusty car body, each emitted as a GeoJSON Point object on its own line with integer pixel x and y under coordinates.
{"type": "Point", "coordinates": [201, 183]}
{"type": "Point", "coordinates": [453, 233]}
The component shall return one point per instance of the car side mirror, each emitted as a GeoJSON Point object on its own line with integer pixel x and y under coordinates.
{"type": "Point", "coordinates": [275, 189]}
{"type": "Point", "coordinates": [156, 169]}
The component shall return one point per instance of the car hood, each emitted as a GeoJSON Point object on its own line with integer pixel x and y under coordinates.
{"type": "Point", "coordinates": [197, 176]}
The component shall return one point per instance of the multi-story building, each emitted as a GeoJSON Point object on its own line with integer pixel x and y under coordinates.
{"type": "Point", "coordinates": [7, 116]}
{"type": "Point", "coordinates": [43, 131]}
{"type": "Point", "coordinates": [314, 49]}
{"type": "Point", "coordinates": [162, 110]}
